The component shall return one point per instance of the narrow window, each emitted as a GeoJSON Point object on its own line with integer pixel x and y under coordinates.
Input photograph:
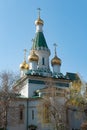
{"type": "Point", "coordinates": [43, 61]}
{"type": "Point", "coordinates": [21, 114]}
{"type": "Point", "coordinates": [32, 114]}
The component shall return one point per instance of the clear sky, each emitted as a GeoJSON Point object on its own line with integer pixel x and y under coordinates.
{"type": "Point", "coordinates": [65, 23]}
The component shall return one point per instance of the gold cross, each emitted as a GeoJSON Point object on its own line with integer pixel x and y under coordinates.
{"type": "Point", "coordinates": [39, 12]}
{"type": "Point", "coordinates": [25, 54]}
{"type": "Point", "coordinates": [55, 45]}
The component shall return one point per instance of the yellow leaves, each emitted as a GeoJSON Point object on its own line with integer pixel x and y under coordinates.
{"type": "Point", "coordinates": [46, 114]}
{"type": "Point", "coordinates": [75, 95]}
{"type": "Point", "coordinates": [76, 86]}
{"type": "Point", "coordinates": [77, 101]}
{"type": "Point", "coordinates": [72, 102]}
{"type": "Point", "coordinates": [43, 112]}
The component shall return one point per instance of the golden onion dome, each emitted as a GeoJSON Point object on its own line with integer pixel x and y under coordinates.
{"type": "Point", "coordinates": [56, 61]}
{"type": "Point", "coordinates": [39, 21]}
{"type": "Point", "coordinates": [24, 65]}
{"type": "Point", "coordinates": [33, 57]}
{"type": "Point", "coordinates": [27, 66]}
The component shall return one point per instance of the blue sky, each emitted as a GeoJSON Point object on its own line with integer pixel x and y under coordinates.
{"type": "Point", "coordinates": [65, 23]}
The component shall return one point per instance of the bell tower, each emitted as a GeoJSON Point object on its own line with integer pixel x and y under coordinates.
{"type": "Point", "coordinates": [40, 46]}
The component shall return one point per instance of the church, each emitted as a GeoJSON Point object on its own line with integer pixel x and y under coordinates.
{"type": "Point", "coordinates": [35, 74]}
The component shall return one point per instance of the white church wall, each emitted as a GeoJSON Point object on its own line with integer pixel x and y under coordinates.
{"type": "Point", "coordinates": [33, 118]}
{"type": "Point", "coordinates": [24, 91]}
{"type": "Point", "coordinates": [33, 87]}
{"type": "Point", "coordinates": [43, 54]}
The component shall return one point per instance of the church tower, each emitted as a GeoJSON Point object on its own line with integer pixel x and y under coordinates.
{"type": "Point", "coordinates": [40, 48]}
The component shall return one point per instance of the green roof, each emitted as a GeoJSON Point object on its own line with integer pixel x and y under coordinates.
{"type": "Point", "coordinates": [39, 41]}
{"type": "Point", "coordinates": [72, 76]}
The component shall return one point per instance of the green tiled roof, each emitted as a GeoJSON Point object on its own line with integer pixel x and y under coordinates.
{"type": "Point", "coordinates": [39, 41]}
{"type": "Point", "coordinates": [72, 76]}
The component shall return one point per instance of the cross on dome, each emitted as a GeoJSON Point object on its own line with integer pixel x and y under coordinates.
{"type": "Point", "coordinates": [24, 65]}
{"type": "Point", "coordinates": [55, 45]}
{"type": "Point", "coordinates": [25, 54]}
{"type": "Point", "coordinates": [39, 9]}
{"type": "Point", "coordinates": [33, 40]}
{"type": "Point", "coordinates": [55, 60]}
{"type": "Point", "coordinates": [39, 21]}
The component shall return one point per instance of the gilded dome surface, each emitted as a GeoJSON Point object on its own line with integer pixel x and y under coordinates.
{"type": "Point", "coordinates": [39, 21]}
{"type": "Point", "coordinates": [56, 61]}
{"type": "Point", "coordinates": [24, 65]}
{"type": "Point", "coordinates": [33, 57]}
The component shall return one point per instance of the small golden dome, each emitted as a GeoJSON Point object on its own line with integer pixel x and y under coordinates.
{"type": "Point", "coordinates": [24, 65]}
{"type": "Point", "coordinates": [39, 21]}
{"type": "Point", "coordinates": [33, 57]}
{"type": "Point", "coordinates": [27, 66]}
{"type": "Point", "coordinates": [56, 61]}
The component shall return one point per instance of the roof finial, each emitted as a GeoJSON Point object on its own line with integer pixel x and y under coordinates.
{"type": "Point", "coordinates": [32, 44]}
{"type": "Point", "coordinates": [32, 41]}
{"type": "Point", "coordinates": [55, 45]}
{"type": "Point", "coordinates": [39, 12]}
{"type": "Point", "coordinates": [25, 54]}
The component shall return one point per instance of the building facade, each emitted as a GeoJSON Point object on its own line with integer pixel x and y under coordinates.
{"type": "Point", "coordinates": [35, 77]}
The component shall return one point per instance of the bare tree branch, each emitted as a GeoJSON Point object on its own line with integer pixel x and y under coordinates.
{"type": "Point", "coordinates": [7, 97]}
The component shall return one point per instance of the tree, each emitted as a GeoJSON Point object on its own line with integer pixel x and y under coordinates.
{"type": "Point", "coordinates": [74, 94]}
{"type": "Point", "coordinates": [51, 109]}
{"type": "Point", "coordinates": [76, 101]}
{"type": "Point", "coordinates": [7, 96]}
